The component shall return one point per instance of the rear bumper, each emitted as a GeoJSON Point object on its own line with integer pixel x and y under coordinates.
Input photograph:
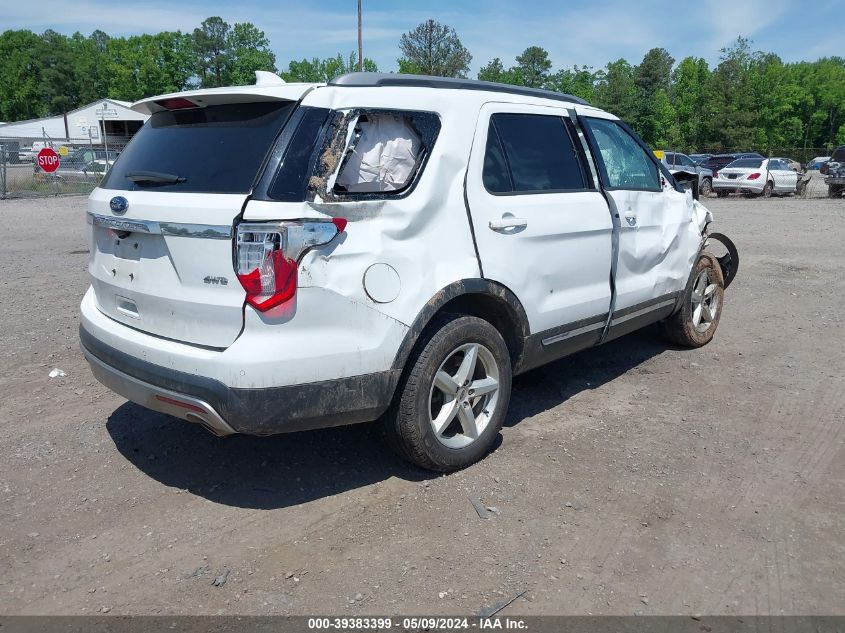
{"type": "Point", "coordinates": [733, 186]}
{"type": "Point", "coordinates": [225, 410]}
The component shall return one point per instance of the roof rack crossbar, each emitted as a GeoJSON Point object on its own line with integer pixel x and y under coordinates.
{"type": "Point", "coordinates": [374, 80]}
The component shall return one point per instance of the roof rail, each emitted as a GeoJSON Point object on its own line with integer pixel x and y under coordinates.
{"type": "Point", "coordinates": [375, 80]}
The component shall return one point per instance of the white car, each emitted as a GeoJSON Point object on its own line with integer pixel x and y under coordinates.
{"type": "Point", "coordinates": [385, 246]}
{"type": "Point", "coordinates": [757, 176]}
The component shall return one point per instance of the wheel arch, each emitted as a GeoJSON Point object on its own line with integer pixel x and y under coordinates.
{"type": "Point", "coordinates": [483, 298]}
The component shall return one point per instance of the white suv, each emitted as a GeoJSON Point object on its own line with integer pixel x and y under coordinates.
{"type": "Point", "coordinates": [282, 257]}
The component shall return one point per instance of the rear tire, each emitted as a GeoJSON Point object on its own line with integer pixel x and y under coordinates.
{"type": "Point", "coordinates": [453, 396]}
{"type": "Point", "coordinates": [767, 190]}
{"type": "Point", "coordinates": [834, 191]}
{"type": "Point", "coordinates": [695, 323]}
{"type": "Point", "coordinates": [706, 188]}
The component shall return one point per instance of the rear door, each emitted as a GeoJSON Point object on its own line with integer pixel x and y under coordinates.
{"type": "Point", "coordinates": [785, 179]}
{"type": "Point", "coordinates": [542, 228]}
{"type": "Point", "coordinates": [161, 222]}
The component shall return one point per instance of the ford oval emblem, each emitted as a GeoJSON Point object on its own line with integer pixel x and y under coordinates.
{"type": "Point", "coordinates": [119, 204]}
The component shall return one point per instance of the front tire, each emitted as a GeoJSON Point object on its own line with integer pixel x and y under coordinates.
{"type": "Point", "coordinates": [453, 396]}
{"type": "Point", "coordinates": [695, 323]}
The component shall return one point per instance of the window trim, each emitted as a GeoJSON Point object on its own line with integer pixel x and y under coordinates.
{"type": "Point", "coordinates": [662, 170]}
{"type": "Point", "coordinates": [576, 147]}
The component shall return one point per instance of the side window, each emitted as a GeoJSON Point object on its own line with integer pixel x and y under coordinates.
{"type": "Point", "coordinates": [495, 175]}
{"type": "Point", "coordinates": [357, 154]}
{"type": "Point", "coordinates": [531, 153]}
{"type": "Point", "coordinates": [384, 152]}
{"type": "Point", "coordinates": [624, 164]}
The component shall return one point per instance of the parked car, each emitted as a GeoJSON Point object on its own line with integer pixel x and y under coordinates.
{"type": "Point", "coordinates": [834, 171]}
{"type": "Point", "coordinates": [699, 158]}
{"type": "Point", "coordinates": [383, 246]}
{"type": "Point", "coordinates": [757, 176]}
{"type": "Point", "coordinates": [84, 163]}
{"type": "Point", "coordinates": [816, 163]}
{"type": "Point", "coordinates": [717, 161]}
{"type": "Point", "coordinates": [676, 162]}
{"type": "Point", "coordinates": [794, 165]}
{"type": "Point", "coordinates": [26, 154]}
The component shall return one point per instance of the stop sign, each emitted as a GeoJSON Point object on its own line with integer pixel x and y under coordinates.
{"type": "Point", "coordinates": [48, 160]}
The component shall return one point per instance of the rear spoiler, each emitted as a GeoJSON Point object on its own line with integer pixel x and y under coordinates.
{"type": "Point", "coordinates": [263, 91]}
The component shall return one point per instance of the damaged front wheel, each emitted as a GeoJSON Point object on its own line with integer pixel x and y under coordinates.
{"type": "Point", "coordinates": [694, 324]}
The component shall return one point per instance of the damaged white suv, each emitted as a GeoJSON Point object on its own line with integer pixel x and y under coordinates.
{"type": "Point", "coordinates": [282, 257]}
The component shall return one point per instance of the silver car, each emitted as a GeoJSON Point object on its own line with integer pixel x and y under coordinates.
{"type": "Point", "coordinates": [681, 162]}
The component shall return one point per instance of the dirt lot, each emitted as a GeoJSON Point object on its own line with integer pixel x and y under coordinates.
{"type": "Point", "coordinates": [631, 478]}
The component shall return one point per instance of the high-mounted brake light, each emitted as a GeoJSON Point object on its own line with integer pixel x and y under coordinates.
{"type": "Point", "coordinates": [176, 103]}
{"type": "Point", "coordinates": [754, 176]}
{"type": "Point", "coordinates": [268, 256]}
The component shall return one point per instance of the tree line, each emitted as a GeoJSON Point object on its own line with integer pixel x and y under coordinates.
{"type": "Point", "coordinates": [750, 99]}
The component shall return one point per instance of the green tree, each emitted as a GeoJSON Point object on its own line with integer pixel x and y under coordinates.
{"type": "Point", "coordinates": [248, 50]}
{"type": "Point", "coordinates": [20, 76]}
{"type": "Point", "coordinates": [579, 81]}
{"type": "Point", "coordinates": [616, 92]}
{"type": "Point", "coordinates": [211, 50]}
{"type": "Point", "coordinates": [688, 98]}
{"type": "Point", "coordinates": [433, 49]}
{"type": "Point", "coordinates": [652, 107]}
{"type": "Point", "coordinates": [318, 70]}
{"type": "Point", "coordinates": [533, 67]}
{"type": "Point", "coordinates": [58, 84]}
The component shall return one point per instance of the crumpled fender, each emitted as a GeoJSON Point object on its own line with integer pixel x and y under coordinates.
{"type": "Point", "coordinates": [729, 262]}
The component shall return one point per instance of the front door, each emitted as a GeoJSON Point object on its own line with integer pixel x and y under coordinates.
{"type": "Point", "coordinates": [653, 263]}
{"type": "Point", "coordinates": [542, 228]}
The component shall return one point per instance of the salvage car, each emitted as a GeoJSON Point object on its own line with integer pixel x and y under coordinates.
{"type": "Point", "coordinates": [390, 247]}
{"type": "Point", "coordinates": [834, 172]}
{"type": "Point", "coordinates": [675, 162]}
{"type": "Point", "coordinates": [756, 176]}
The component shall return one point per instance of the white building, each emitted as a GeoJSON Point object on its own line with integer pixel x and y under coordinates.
{"type": "Point", "coordinates": [88, 123]}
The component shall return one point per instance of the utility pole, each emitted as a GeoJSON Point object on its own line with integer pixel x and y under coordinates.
{"type": "Point", "coordinates": [360, 42]}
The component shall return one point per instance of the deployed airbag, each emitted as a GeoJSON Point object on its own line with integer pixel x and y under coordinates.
{"type": "Point", "coordinates": [383, 156]}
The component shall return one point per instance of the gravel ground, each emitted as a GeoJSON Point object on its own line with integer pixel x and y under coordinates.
{"type": "Point", "coordinates": [634, 478]}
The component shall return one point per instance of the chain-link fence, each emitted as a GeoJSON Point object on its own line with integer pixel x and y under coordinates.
{"type": "Point", "coordinates": [81, 166]}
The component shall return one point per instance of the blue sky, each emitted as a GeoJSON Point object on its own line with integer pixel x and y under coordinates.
{"type": "Point", "coordinates": [573, 32]}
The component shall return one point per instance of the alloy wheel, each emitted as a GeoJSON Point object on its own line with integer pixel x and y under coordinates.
{"type": "Point", "coordinates": [705, 301]}
{"type": "Point", "coordinates": [464, 395]}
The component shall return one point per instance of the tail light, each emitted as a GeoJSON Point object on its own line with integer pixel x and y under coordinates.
{"type": "Point", "coordinates": [716, 175]}
{"type": "Point", "coordinates": [754, 176]}
{"type": "Point", "coordinates": [268, 256]}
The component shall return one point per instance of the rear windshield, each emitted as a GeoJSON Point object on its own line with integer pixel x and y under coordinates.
{"type": "Point", "coordinates": [751, 163]}
{"type": "Point", "coordinates": [216, 149]}
{"type": "Point", "coordinates": [838, 155]}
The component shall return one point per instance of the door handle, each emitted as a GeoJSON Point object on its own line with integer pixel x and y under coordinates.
{"type": "Point", "coordinates": [508, 222]}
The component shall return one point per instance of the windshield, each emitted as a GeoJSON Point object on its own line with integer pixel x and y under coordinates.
{"type": "Point", "coordinates": [216, 149]}
{"type": "Point", "coordinates": [748, 163]}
